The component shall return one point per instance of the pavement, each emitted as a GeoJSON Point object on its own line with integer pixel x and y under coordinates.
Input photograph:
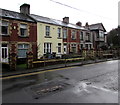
{"type": "Point", "coordinates": [25, 71]}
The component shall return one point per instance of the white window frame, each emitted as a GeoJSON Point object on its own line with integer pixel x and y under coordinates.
{"type": "Point", "coordinates": [74, 46]}
{"type": "Point", "coordinates": [23, 48]}
{"type": "Point", "coordinates": [65, 48]}
{"type": "Point", "coordinates": [81, 36]}
{"type": "Point", "coordinates": [59, 32]}
{"type": "Point", "coordinates": [64, 33]}
{"type": "Point", "coordinates": [101, 34]}
{"type": "Point", "coordinates": [4, 24]}
{"type": "Point", "coordinates": [47, 29]}
{"type": "Point", "coordinates": [88, 37]}
{"type": "Point", "coordinates": [47, 48]}
{"type": "Point", "coordinates": [23, 27]}
{"type": "Point", "coordinates": [73, 34]}
{"type": "Point", "coordinates": [2, 57]}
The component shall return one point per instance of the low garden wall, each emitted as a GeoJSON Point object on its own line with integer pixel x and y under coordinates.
{"type": "Point", "coordinates": [55, 61]}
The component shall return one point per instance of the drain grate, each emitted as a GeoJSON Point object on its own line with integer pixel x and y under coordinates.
{"type": "Point", "coordinates": [47, 88]}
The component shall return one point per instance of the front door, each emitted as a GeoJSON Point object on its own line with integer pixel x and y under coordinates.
{"type": "Point", "coordinates": [4, 53]}
{"type": "Point", "coordinates": [65, 49]}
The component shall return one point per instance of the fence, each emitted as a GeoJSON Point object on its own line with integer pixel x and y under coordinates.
{"type": "Point", "coordinates": [92, 54]}
{"type": "Point", "coordinates": [85, 55]}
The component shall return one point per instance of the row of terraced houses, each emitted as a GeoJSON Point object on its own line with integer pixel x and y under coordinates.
{"type": "Point", "coordinates": [22, 32]}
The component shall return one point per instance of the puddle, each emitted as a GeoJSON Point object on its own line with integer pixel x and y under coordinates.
{"type": "Point", "coordinates": [15, 84]}
{"type": "Point", "coordinates": [87, 87]}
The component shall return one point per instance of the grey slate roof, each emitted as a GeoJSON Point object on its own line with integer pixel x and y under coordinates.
{"type": "Point", "coordinates": [96, 26]}
{"type": "Point", "coordinates": [14, 15]}
{"type": "Point", "coordinates": [55, 22]}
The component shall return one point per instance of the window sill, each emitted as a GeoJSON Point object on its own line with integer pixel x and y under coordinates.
{"type": "Point", "coordinates": [59, 37]}
{"type": "Point", "coordinates": [73, 39]}
{"type": "Point", "coordinates": [5, 35]}
{"type": "Point", "coordinates": [87, 41]}
{"type": "Point", "coordinates": [23, 36]}
{"type": "Point", "coordinates": [64, 38]}
{"type": "Point", "coordinates": [48, 37]}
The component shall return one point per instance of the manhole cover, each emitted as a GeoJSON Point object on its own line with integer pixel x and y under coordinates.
{"type": "Point", "coordinates": [47, 88]}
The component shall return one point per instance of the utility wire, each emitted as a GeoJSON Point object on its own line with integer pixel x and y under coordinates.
{"type": "Point", "coordinates": [79, 9]}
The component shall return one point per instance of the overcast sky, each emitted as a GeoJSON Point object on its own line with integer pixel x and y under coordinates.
{"type": "Point", "coordinates": [91, 11]}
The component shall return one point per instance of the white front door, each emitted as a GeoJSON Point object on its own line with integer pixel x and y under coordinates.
{"type": "Point", "coordinates": [65, 49]}
{"type": "Point", "coordinates": [4, 54]}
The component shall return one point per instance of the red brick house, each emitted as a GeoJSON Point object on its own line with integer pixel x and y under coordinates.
{"type": "Point", "coordinates": [71, 36]}
{"type": "Point", "coordinates": [18, 33]}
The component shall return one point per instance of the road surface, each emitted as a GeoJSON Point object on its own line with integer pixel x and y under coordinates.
{"type": "Point", "coordinates": [92, 83]}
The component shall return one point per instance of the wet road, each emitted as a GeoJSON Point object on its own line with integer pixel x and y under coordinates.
{"type": "Point", "coordinates": [93, 83]}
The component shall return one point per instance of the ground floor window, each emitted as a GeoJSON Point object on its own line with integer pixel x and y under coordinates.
{"type": "Point", "coordinates": [73, 48]}
{"type": "Point", "coordinates": [88, 46]}
{"type": "Point", "coordinates": [59, 47]}
{"type": "Point", "coordinates": [22, 50]}
{"type": "Point", "coordinates": [47, 47]}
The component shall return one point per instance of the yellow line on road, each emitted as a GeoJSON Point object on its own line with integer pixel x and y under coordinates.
{"type": "Point", "coordinates": [93, 64]}
{"type": "Point", "coordinates": [88, 64]}
{"type": "Point", "coordinates": [22, 75]}
{"type": "Point", "coordinates": [34, 73]}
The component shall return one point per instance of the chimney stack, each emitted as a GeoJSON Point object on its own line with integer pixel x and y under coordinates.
{"type": "Point", "coordinates": [86, 25]}
{"type": "Point", "coordinates": [79, 23]}
{"type": "Point", "coordinates": [25, 9]}
{"type": "Point", "coordinates": [66, 20]}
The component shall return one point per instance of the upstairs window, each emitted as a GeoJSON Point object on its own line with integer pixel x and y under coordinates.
{"type": "Point", "coordinates": [101, 34]}
{"type": "Point", "coordinates": [73, 36]}
{"type": "Point", "coordinates": [4, 28]}
{"type": "Point", "coordinates": [47, 30]}
{"type": "Point", "coordinates": [87, 36]}
{"type": "Point", "coordinates": [59, 32]}
{"type": "Point", "coordinates": [81, 36]}
{"type": "Point", "coordinates": [23, 30]}
{"type": "Point", "coordinates": [65, 33]}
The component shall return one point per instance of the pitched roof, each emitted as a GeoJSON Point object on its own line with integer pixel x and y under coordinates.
{"type": "Point", "coordinates": [54, 22]}
{"type": "Point", "coordinates": [14, 15]}
{"type": "Point", "coordinates": [97, 27]}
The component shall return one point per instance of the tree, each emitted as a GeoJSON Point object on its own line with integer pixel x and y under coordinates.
{"type": "Point", "coordinates": [113, 38]}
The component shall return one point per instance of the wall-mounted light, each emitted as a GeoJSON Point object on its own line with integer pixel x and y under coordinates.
{"type": "Point", "coordinates": [14, 27]}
